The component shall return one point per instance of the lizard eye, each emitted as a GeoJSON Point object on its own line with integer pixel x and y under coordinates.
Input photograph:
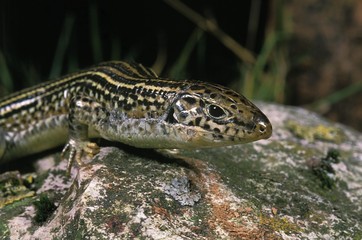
{"type": "Point", "coordinates": [215, 111]}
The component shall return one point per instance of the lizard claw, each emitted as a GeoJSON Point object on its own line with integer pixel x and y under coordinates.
{"type": "Point", "coordinates": [76, 150]}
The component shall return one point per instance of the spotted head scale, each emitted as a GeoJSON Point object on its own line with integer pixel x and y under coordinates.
{"type": "Point", "coordinates": [214, 115]}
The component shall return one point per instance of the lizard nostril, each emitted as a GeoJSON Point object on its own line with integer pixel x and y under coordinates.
{"type": "Point", "coordinates": [263, 125]}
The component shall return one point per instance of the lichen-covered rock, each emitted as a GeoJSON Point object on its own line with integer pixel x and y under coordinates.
{"type": "Point", "coordinates": [301, 184]}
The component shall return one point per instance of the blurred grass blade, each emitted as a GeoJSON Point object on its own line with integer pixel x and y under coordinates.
{"type": "Point", "coordinates": [262, 59]}
{"type": "Point", "coordinates": [94, 33]}
{"type": "Point", "coordinates": [161, 57]}
{"type": "Point", "coordinates": [324, 104]}
{"type": "Point", "coordinates": [72, 59]}
{"type": "Point", "coordinates": [5, 76]}
{"type": "Point", "coordinates": [254, 74]}
{"type": "Point", "coordinates": [253, 23]}
{"type": "Point", "coordinates": [62, 46]}
{"type": "Point", "coordinates": [178, 68]}
{"type": "Point", "coordinates": [115, 48]}
{"type": "Point", "coordinates": [210, 26]}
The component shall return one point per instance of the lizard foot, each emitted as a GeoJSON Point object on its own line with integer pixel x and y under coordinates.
{"type": "Point", "coordinates": [76, 150]}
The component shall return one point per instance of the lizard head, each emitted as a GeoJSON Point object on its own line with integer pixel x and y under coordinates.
{"type": "Point", "coordinates": [212, 115]}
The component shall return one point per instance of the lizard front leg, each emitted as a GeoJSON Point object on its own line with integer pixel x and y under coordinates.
{"type": "Point", "coordinates": [81, 115]}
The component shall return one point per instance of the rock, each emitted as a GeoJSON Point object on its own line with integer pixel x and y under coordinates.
{"type": "Point", "coordinates": [301, 184]}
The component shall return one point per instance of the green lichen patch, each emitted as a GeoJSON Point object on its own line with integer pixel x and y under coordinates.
{"type": "Point", "coordinates": [4, 230]}
{"type": "Point", "coordinates": [160, 200]}
{"type": "Point", "coordinates": [277, 223]}
{"type": "Point", "coordinates": [312, 133]}
{"type": "Point", "coordinates": [44, 209]}
{"type": "Point", "coordinates": [324, 171]}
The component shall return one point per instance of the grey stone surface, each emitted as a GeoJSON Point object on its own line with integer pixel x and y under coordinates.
{"type": "Point", "coordinates": [303, 183]}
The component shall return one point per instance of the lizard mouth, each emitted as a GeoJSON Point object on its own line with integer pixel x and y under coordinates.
{"type": "Point", "coordinates": [209, 138]}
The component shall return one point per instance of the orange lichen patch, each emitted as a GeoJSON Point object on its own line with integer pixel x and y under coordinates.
{"type": "Point", "coordinates": [227, 213]}
{"type": "Point", "coordinates": [162, 212]}
{"type": "Point", "coordinates": [230, 221]}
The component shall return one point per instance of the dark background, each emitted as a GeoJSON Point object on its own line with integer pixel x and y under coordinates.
{"type": "Point", "coordinates": [30, 31]}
